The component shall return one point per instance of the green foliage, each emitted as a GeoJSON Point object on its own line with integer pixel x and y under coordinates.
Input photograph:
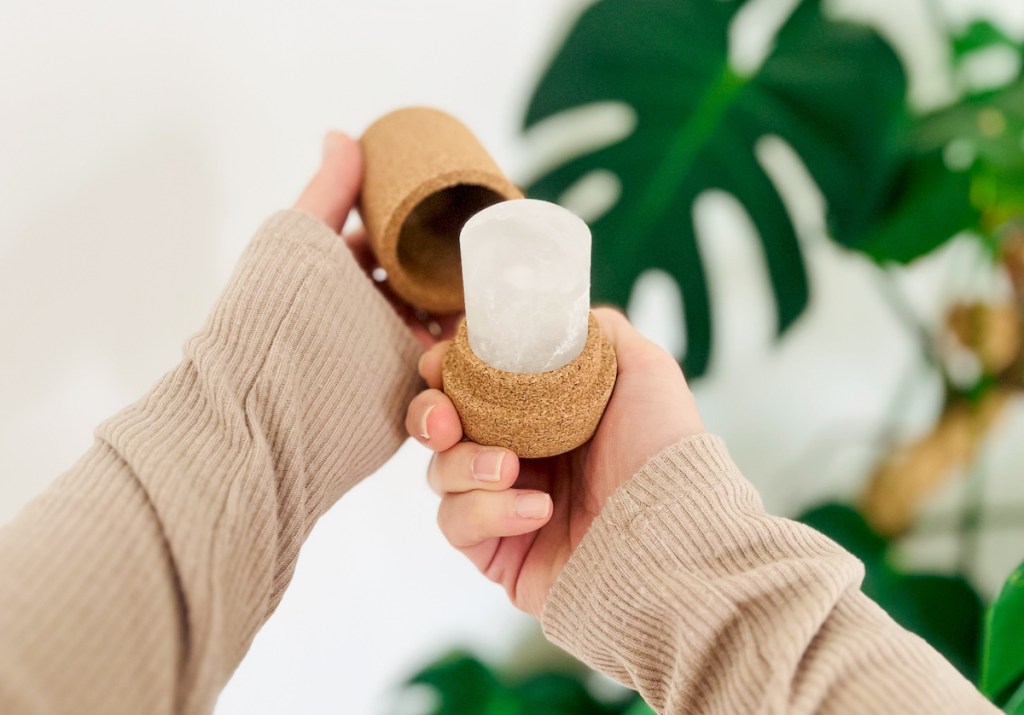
{"type": "Point", "coordinates": [980, 35]}
{"type": "Point", "coordinates": [639, 707]}
{"type": "Point", "coordinates": [987, 129]}
{"type": "Point", "coordinates": [897, 184]}
{"type": "Point", "coordinates": [1002, 665]}
{"type": "Point", "coordinates": [929, 204]}
{"type": "Point", "coordinates": [944, 610]}
{"type": "Point", "coordinates": [464, 684]}
{"type": "Point", "coordinates": [833, 91]}
{"type": "Point", "coordinates": [1015, 705]}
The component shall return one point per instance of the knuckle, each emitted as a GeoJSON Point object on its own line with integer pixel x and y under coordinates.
{"type": "Point", "coordinates": [459, 519]}
{"type": "Point", "coordinates": [476, 514]}
{"type": "Point", "coordinates": [444, 521]}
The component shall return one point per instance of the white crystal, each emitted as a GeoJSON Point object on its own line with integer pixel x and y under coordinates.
{"type": "Point", "coordinates": [526, 271]}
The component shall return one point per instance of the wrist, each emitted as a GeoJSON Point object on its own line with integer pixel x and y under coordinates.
{"type": "Point", "coordinates": [300, 326]}
{"type": "Point", "coordinates": [683, 500]}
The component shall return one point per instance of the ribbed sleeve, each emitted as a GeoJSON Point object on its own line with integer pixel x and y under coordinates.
{"type": "Point", "coordinates": [136, 582]}
{"type": "Point", "coordinates": [686, 590]}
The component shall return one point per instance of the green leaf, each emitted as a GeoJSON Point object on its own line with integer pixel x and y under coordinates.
{"type": "Point", "coordinates": [639, 707]}
{"type": "Point", "coordinates": [930, 204]}
{"type": "Point", "coordinates": [987, 128]}
{"type": "Point", "coordinates": [1002, 668]}
{"type": "Point", "coordinates": [465, 685]}
{"type": "Point", "coordinates": [558, 693]}
{"type": "Point", "coordinates": [1015, 704]}
{"type": "Point", "coordinates": [944, 610]}
{"type": "Point", "coordinates": [833, 91]}
{"type": "Point", "coordinates": [848, 528]}
{"type": "Point", "coordinates": [980, 35]}
{"type": "Point", "coordinates": [990, 124]}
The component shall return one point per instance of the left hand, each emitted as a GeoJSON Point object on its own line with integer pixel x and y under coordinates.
{"type": "Point", "coordinates": [330, 196]}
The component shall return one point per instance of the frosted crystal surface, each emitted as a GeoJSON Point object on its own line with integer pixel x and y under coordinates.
{"type": "Point", "coordinates": [526, 271]}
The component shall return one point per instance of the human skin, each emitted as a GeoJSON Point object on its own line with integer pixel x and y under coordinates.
{"type": "Point", "coordinates": [329, 196]}
{"type": "Point", "coordinates": [519, 520]}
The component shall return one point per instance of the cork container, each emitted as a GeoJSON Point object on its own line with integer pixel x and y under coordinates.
{"type": "Point", "coordinates": [534, 415]}
{"type": "Point", "coordinates": [425, 175]}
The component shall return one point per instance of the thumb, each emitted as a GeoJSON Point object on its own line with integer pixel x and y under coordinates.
{"type": "Point", "coordinates": [332, 191]}
{"type": "Point", "coordinates": [634, 352]}
{"type": "Point", "coordinates": [619, 332]}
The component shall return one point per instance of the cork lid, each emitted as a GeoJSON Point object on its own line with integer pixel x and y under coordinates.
{"type": "Point", "coordinates": [425, 175]}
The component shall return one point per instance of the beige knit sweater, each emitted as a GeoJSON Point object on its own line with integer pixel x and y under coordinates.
{"type": "Point", "coordinates": [136, 582]}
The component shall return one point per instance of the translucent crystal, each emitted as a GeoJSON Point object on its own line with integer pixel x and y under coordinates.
{"type": "Point", "coordinates": [526, 272]}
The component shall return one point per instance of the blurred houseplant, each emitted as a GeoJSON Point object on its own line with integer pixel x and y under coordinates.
{"type": "Point", "coordinates": [897, 182]}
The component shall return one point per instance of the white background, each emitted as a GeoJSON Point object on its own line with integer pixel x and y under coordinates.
{"type": "Point", "coordinates": [142, 142]}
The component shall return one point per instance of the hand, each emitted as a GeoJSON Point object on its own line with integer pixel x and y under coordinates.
{"type": "Point", "coordinates": [330, 195]}
{"type": "Point", "coordinates": [518, 520]}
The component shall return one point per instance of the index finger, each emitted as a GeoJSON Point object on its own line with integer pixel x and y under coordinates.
{"type": "Point", "coordinates": [333, 189]}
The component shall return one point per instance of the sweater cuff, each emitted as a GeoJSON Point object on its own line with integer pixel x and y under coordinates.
{"type": "Point", "coordinates": [303, 230]}
{"type": "Point", "coordinates": [662, 587]}
{"type": "Point", "coordinates": [692, 474]}
{"type": "Point", "coordinates": [687, 591]}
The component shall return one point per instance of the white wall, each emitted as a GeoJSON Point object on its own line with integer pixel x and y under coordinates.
{"type": "Point", "coordinates": [140, 145]}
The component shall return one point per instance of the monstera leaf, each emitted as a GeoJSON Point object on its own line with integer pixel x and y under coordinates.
{"type": "Point", "coordinates": [833, 91]}
{"type": "Point", "coordinates": [928, 205]}
{"type": "Point", "coordinates": [1002, 665]}
{"type": "Point", "coordinates": [944, 610]}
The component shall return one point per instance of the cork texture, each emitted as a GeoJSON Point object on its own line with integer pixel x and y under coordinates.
{"type": "Point", "coordinates": [534, 415]}
{"type": "Point", "coordinates": [425, 175]}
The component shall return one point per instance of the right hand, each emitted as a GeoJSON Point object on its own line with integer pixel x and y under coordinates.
{"type": "Point", "coordinates": [518, 520]}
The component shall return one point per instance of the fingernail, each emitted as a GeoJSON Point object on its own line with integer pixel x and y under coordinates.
{"type": "Point", "coordinates": [331, 140]}
{"type": "Point", "coordinates": [533, 506]}
{"type": "Point", "coordinates": [486, 465]}
{"type": "Point", "coordinates": [424, 432]}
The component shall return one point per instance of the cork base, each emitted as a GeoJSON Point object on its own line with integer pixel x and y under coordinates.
{"type": "Point", "coordinates": [534, 415]}
{"type": "Point", "coordinates": [424, 176]}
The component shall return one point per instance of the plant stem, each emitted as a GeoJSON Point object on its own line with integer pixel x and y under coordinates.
{"type": "Point", "coordinates": [970, 516]}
